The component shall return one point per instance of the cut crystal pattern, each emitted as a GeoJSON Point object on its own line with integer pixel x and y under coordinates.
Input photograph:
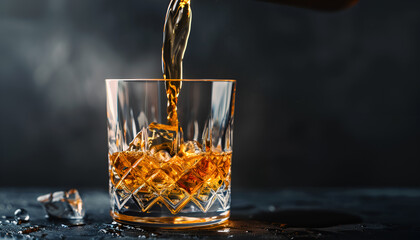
{"type": "Point", "coordinates": [202, 179]}
{"type": "Point", "coordinates": [180, 168]}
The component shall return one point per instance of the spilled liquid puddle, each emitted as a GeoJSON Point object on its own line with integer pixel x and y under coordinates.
{"type": "Point", "coordinates": [117, 230]}
{"type": "Point", "coordinates": [112, 231]}
{"type": "Point", "coordinates": [274, 223]}
{"type": "Point", "coordinates": [66, 223]}
{"type": "Point", "coordinates": [31, 229]}
{"type": "Point", "coordinates": [308, 218]}
{"type": "Point", "coordinates": [19, 223]}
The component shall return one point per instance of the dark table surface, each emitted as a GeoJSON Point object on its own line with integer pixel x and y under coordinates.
{"type": "Point", "coordinates": [283, 214]}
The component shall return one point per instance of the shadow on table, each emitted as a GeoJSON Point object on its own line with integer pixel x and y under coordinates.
{"type": "Point", "coordinates": [276, 224]}
{"type": "Point", "coordinates": [307, 218]}
{"type": "Point", "coordinates": [296, 224]}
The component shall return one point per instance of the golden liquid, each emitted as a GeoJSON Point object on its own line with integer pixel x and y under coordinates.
{"type": "Point", "coordinates": [175, 39]}
{"type": "Point", "coordinates": [177, 178]}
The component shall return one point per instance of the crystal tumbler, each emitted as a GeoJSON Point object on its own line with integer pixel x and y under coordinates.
{"type": "Point", "coordinates": [170, 151]}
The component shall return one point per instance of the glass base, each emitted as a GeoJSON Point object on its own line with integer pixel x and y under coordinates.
{"type": "Point", "coordinates": [171, 222]}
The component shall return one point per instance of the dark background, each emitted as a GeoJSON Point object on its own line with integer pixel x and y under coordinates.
{"type": "Point", "coordinates": [323, 99]}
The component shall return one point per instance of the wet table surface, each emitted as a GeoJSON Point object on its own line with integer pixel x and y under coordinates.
{"type": "Point", "coordinates": [282, 214]}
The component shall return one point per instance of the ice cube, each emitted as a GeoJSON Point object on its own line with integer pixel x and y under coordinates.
{"type": "Point", "coordinates": [63, 205]}
{"type": "Point", "coordinates": [163, 137]}
{"type": "Point", "coordinates": [162, 156]}
{"type": "Point", "coordinates": [139, 143]}
{"type": "Point", "coordinates": [190, 147]}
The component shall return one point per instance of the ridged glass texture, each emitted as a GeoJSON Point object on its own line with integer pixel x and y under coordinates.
{"type": "Point", "coordinates": [166, 175]}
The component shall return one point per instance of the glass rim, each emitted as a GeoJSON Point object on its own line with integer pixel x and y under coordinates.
{"type": "Point", "coordinates": [165, 80]}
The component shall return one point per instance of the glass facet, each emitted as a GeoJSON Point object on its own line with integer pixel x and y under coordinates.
{"type": "Point", "coordinates": [170, 175]}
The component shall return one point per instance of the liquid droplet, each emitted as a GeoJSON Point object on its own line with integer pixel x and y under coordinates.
{"type": "Point", "coordinates": [111, 230]}
{"type": "Point", "coordinates": [21, 215]}
{"type": "Point", "coordinates": [271, 208]}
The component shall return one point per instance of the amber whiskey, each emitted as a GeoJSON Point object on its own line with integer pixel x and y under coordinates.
{"type": "Point", "coordinates": [171, 181]}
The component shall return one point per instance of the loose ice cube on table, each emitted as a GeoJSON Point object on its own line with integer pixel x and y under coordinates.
{"type": "Point", "coordinates": [63, 205]}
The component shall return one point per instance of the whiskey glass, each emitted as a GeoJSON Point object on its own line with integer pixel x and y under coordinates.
{"type": "Point", "coordinates": [170, 157]}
